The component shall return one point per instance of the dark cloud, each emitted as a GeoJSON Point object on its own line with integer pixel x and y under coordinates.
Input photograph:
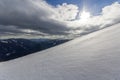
{"type": "Point", "coordinates": [26, 14]}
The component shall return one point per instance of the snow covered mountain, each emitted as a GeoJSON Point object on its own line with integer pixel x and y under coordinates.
{"type": "Point", "coordinates": [14, 48]}
{"type": "Point", "coordinates": [92, 57]}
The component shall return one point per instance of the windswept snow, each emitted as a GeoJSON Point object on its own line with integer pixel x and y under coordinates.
{"type": "Point", "coordinates": [93, 57]}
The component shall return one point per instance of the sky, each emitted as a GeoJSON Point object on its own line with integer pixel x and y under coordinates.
{"type": "Point", "coordinates": [56, 18]}
{"type": "Point", "coordinates": [95, 6]}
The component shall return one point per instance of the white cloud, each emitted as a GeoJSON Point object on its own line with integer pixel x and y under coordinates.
{"type": "Point", "coordinates": [110, 15]}
{"type": "Point", "coordinates": [66, 12]}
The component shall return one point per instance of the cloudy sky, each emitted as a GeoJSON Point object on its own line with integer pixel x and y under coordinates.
{"type": "Point", "coordinates": [56, 18]}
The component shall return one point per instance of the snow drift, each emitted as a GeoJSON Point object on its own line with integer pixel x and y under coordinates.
{"type": "Point", "coordinates": [92, 57]}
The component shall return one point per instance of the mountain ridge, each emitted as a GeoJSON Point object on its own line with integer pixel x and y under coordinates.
{"type": "Point", "coordinates": [91, 57]}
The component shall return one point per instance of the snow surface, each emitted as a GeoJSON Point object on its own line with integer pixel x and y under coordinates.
{"type": "Point", "coordinates": [93, 57]}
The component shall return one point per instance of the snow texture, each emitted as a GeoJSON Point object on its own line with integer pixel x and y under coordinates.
{"type": "Point", "coordinates": [92, 57]}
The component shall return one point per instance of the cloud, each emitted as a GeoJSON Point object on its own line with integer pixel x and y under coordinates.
{"type": "Point", "coordinates": [37, 17]}
{"type": "Point", "coordinates": [66, 12]}
{"type": "Point", "coordinates": [30, 14]}
{"type": "Point", "coordinates": [110, 15]}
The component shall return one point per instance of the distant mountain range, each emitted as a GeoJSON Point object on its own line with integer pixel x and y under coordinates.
{"type": "Point", "coordinates": [14, 48]}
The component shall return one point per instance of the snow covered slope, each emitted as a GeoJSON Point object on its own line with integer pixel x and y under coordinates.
{"type": "Point", "coordinates": [93, 57]}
